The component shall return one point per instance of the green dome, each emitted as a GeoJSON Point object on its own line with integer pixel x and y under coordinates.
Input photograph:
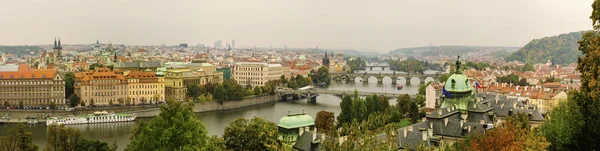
{"type": "Point", "coordinates": [460, 82]}
{"type": "Point", "coordinates": [302, 57]}
{"type": "Point", "coordinates": [296, 121]}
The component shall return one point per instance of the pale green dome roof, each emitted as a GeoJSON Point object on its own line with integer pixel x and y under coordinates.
{"type": "Point", "coordinates": [460, 82]}
{"type": "Point", "coordinates": [296, 121]}
{"type": "Point", "coordinates": [302, 57]}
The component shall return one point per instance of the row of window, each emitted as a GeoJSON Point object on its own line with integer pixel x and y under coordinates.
{"type": "Point", "coordinates": [249, 73]}
{"type": "Point", "coordinates": [249, 68]}
{"type": "Point", "coordinates": [31, 82]}
{"type": "Point", "coordinates": [15, 102]}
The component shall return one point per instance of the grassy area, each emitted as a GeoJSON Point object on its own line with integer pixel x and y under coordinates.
{"type": "Point", "coordinates": [404, 122]}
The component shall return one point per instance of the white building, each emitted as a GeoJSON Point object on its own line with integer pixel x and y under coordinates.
{"type": "Point", "coordinates": [256, 73]}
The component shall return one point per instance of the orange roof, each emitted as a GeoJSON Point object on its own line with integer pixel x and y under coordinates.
{"type": "Point", "coordinates": [24, 72]}
{"type": "Point", "coordinates": [99, 73]}
{"type": "Point", "coordinates": [551, 85]}
{"type": "Point", "coordinates": [141, 74]}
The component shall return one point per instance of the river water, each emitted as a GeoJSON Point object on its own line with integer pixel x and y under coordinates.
{"type": "Point", "coordinates": [216, 121]}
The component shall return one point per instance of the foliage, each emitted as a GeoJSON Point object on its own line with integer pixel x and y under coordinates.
{"type": "Point", "coordinates": [410, 65]}
{"type": "Point", "coordinates": [74, 100]}
{"type": "Point", "coordinates": [322, 77]}
{"type": "Point", "coordinates": [283, 79]}
{"type": "Point", "coordinates": [360, 137]}
{"type": "Point", "coordinates": [93, 66]}
{"type": "Point", "coordinates": [220, 93]}
{"type": "Point", "coordinates": [356, 109]}
{"type": "Point", "coordinates": [444, 77]}
{"type": "Point", "coordinates": [18, 139]}
{"type": "Point", "coordinates": [298, 82]}
{"type": "Point", "coordinates": [254, 134]}
{"type": "Point", "coordinates": [512, 78]}
{"type": "Point", "coordinates": [6, 104]}
{"type": "Point", "coordinates": [509, 136]}
{"type": "Point", "coordinates": [346, 113]}
{"type": "Point", "coordinates": [563, 125]}
{"type": "Point", "coordinates": [193, 91]}
{"type": "Point", "coordinates": [561, 49]}
{"type": "Point", "coordinates": [21, 106]}
{"type": "Point", "coordinates": [324, 121]}
{"type": "Point", "coordinates": [257, 90]}
{"type": "Point", "coordinates": [176, 127]}
{"type": "Point", "coordinates": [478, 65]}
{"type": "Point", "coordinates": [62, 138]}
{"type": "Point", "coordinates": [356, 64]}
{"type": "Point", "coordinates": [451, 50]}
{"type": "Point", "coordinates": [69, 83]}
{"type": "Point", "coordinates": [53, 105]}
{"type": "Point", "coordinates": [403, 104]}
{"type": "Point", "coordinates": [93, 145]}
{"type": "Point", "coordinates": [20, 50]}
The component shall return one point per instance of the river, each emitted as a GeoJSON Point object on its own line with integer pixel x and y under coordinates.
{"type": "Point", "coordinates": [216, 122]}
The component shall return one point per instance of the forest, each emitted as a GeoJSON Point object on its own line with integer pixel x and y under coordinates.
{"type": "Point", "coordinates": [561, 49]}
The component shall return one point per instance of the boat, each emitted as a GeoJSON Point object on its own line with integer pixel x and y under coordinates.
{"type": "Point", "coordinates": [97, 117]}
{"type": "Point", "coordinates": [400, 86]}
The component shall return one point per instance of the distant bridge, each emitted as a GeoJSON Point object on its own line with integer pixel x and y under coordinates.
{"type": "Point", "coordinates": [341, 93]}
{"type": "Point", "coordinates": [395, 77]}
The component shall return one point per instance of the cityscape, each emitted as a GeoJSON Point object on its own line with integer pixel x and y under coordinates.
{"type": "Point", "coordinates": [246, 89]}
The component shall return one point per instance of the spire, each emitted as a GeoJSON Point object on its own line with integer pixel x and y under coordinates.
{"type": "Point", "coordinates": [458, 66]}
{"type": "Point", "coordinates": [59, 46]}
{"type": "Point", "coordinates": [55, 46]}
{"type": "Point", "coordinates": [325, 54]}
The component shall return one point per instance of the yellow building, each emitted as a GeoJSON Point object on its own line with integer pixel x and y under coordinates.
{"type": "Point", "coordinates": [101, 86]}
{"type": "Point", "coordinates": [34, 87]}
{"type": "Point", "coordinates": [145, 87]}
{"type": "Point", "coordinates": [177, 79]}
{"type": "Point", "coordinates": [257, 73]}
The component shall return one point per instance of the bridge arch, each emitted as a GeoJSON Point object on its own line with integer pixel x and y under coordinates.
{"type": "Point", "coordinates": [377, 68]}
{"type": "Point", "coordinates": [372, 79]}
{"type": "Point", "coordinates": [429, 79]}
{"type": "Point", "coordinates": [386, 80]}
{"type": "Point", "coordinates": [415, 80]}
{"type": "Point", "coordinates": [358, 79]}
{"type": "Point", "coordinates": [401, 80]}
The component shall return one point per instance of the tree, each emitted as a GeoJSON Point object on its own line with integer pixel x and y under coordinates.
{"type": "Point", "coordinates": [74, 100]}
{"type": "Point", "coordinates": [257, 91]}
{"type": "Point", "coordinates": [93, 66]}
{"type": "Point", "coordinates": [322, 77]}
{"type": "Point", "coordinates": [21, 106]}
{"type": "Point", "coordinates": [283, 79]}
{"type": "Point", "coordinates": [255, 134]}
{"type": "Point", "coordinates": [82, 103]}
{"type": "Point", "coordinates": [69, 83]}
{"type": "Point", "coordinates": [176, 127]}
{"type": "Point", "coordinates": [92, 102]}
{"type": "Point", "coordinates": [110, 103]}
{"type": "Point", "coordinates": [266, 89]}
{"type": "Point", "coordinates": [413, 112]}
{"type": "Point", "coordinates": [403, 104]}
{"type": "Point", "coordinates": [444, 77]}
{"type": "Point", "coordinates": [193, 91]}
{"type": "Point", "coordinates": [563, 125]}
{"type": "Point", "coordinates": [346, 113]}
{"type": "Point", "coordinates": [523, 82]}
{"type": "Point", "coordinates": [324, 122]}
{"type": "Point", "coordinates": [62, 138]}
{"type": "Point", "coordinates": [508, 136]}
{"type": "Point", "coordinates": [220, 94]}
{"type": "Point", "coordinates": [18, 139]}
{"type": "Point", "coordinates": [528, 67]}
{"type": "Point", "coordinates": [53, 105]}
{"type": "Point", "coordinates": [93, 145]}
{"type": "Point", "coordinates": [6, 104]}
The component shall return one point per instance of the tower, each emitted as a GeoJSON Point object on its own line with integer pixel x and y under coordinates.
{"type": "Point", "coordinates": [325, 60]}
{"type": "Point", "coordinates": [58, 49]}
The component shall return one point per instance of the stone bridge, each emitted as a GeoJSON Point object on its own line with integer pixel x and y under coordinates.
{"type": "Point", "coordinates": [395, 77]}
{"type": "Point", "coordinates": [340, 93]}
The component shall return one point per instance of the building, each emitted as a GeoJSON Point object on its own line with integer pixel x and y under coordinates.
{"type": "Point", "coordinates": [432, 95]}
{"type": "Point", "coordinates": [145, 87]}
{"type": "Point", "coordinates": [33, 87]}
{"type": "Point", "coordinates": [257, 73]}
{"type": "Point", "coordinates": [138, 66]}
{"type": "Point", "coordinates": [179, 75]}
{"type": "Point", "coordinates": [101, 87]}
{"type": "Point", "coordinates": [292, 126]}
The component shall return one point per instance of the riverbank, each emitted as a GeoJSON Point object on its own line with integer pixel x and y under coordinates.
{"type": "Point", "coordinates": [148, 111]}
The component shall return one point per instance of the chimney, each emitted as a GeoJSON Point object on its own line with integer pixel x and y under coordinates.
{"type": "Point", "coordinates": [423, 133]}
{"type": "Point", "coordinates": [301, 131]}
{"type": "Point", "coordinates": [501, 105]}
{"type": "Point", "coordinates": [448, 109]}
{"type": "Point", "coordinates": [410, 128]}
{"type": "Point", "coordinates": [526, 87]}
{"type": "Point", "coordinates": [469, 129]}
{"type": "Point", "coordinates": [440, 112]}
{"type": "Point", "coordinates": [462, 123]}
{"type": "Point", "coordinates": [445, 121]}
{"type": "Point", "coordinates": [517, 88]}
{"type": "Point", "coordinates": [481, 122]}
{"type": "Point", "coordinates": [405, 130]}
{"type": "Point", "coordinates": [314, 134]}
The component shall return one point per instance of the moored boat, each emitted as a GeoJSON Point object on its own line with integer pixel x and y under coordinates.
{"type": "Point", "coordinates": [97, 117]}
{"type": "Point", "coordinates": [400, 86]}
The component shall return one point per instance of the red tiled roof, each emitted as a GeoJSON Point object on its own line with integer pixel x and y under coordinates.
{"type": "Point", "coordinates": [24, 72]}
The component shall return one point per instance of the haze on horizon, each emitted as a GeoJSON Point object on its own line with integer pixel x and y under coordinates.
{"type": "Point", "coordinates": [379, 26]}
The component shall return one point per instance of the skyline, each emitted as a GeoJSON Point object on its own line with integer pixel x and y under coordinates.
{"type": "Point", "coordinates": [364, 26]}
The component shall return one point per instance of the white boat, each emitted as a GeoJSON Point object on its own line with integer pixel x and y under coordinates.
{"type": "Point", "coordinates": [97, 117]}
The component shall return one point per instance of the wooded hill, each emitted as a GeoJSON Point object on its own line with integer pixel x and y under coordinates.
{"type": "Point", "coordinates": [561, 49]}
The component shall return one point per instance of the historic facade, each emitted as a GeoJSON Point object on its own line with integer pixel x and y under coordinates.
{"type": "Point", "coordinates": [32, 87]}
{"type": "Point", "coordinates": [178, 76]}
{"type": "Point", "coordinates": [145, 87]}
{"type": "Point", "coordinates": [101, 87]}
{"type": "Point", "coordinates": [256, 73]}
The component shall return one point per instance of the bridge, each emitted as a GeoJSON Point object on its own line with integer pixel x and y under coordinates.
{"type": "Point", "coordinates": [394, 77]}
{"type": "Point", "coordinates": [381, 66]}
{"type": "Point", "coordinates": [314, 92]}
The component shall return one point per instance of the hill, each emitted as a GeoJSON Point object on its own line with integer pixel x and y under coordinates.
{"type": "Point", "coordinates": [561, 49]}
{"type": "Point", "coordinates": [453, 50]}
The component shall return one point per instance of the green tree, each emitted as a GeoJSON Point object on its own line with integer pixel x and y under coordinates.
{"type": "Point", "coordinates": [93, 66]}
{"type": "Point", "coordinates": [18, 139]}
{"type": "Point", "coordinates": [53, 105]}
{"type": "Point", "coordinates": [255, 134]}
{"type": "Point", "coordinates": [69, 83]}
{"type": "Point", "coordinates": [360, 110]}
{"type": "Point", "coordinates": [523, 82]}
{"type": "Point", "coordinates": [21, 106]}
{"type": "Point", "coordinates": [220, 94]}
{"type": "Point", "coordinates": [193, 91]}
{"type": "Point", "coordinates": [92, 102]}
{"type": "Point", "coordinates": [283, 79]}
{"type": "Point", "coordinates": [444, 77]}
{"type": "Point", "coordinates": [324, 122]}
{"type": "Point", "coordinates": [403, 104]}
{"type": "Point", "coordinates": [322, 77]}
{"type": "Point", "coordinates": [74, 100]}
{"type": "Point", "coordinates": [62, 138]}
{"type": "Point", "coordinates": [176, 127]}
{"type": "Point", "coordinates": [82, 103]}
{"type": "Point", "coordinates": [562, 126]}
{"type": "Point", "coordinates": [93, 145]}
{"type": "Point", "coordinates": [528, 67]}
{"type": "Point", "coordinates": [346, 113]}
{"type": "Point", "coordinates": [110, 103]}
{"type": "Point", "coordinates": [257, 91]}
{"type": "Point", "coordinates": [6, 104]}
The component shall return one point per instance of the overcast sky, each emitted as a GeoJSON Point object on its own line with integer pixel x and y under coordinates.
{"type": "Point", "coordinates": [380, 25]}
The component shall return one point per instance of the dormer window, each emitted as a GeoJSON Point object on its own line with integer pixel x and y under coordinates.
{"type": "Point", "coordinates": [43, 75]}
{"type": "Point", "coordinates": [12, 76]}
{"type": "Point", "coordinates": [32, 75]}
{"type": "Point", "coordinates": [22, 76]}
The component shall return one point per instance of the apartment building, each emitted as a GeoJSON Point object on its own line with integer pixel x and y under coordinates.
{"type": "Point", "coordinates": [33, 87]}
{"type": "Point", "coordinates": [257, 73]}
{"type": "Point", "coordinates": [101, 87]}
{"type": "Point", "coordinates": [145, 87]}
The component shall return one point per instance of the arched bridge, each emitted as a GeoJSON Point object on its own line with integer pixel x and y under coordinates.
{"type": "Point", "coordinates": [396, 78]}
{"type": "Point", "coordinates": [314, 92]}
{"type": "Point", "coordinates": [375, 65]}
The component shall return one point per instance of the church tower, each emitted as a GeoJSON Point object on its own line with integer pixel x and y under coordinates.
{"type": "Point", "coordinates": [325, 60]}
{"type": "Point", "coordinates": [58, 49]}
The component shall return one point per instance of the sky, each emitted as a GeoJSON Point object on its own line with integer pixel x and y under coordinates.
{"type": "Point", "coordinates": [378, 26]}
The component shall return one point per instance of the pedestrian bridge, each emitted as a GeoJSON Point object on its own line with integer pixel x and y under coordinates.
{"type": "Point", "coordinates": [313, 92]}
